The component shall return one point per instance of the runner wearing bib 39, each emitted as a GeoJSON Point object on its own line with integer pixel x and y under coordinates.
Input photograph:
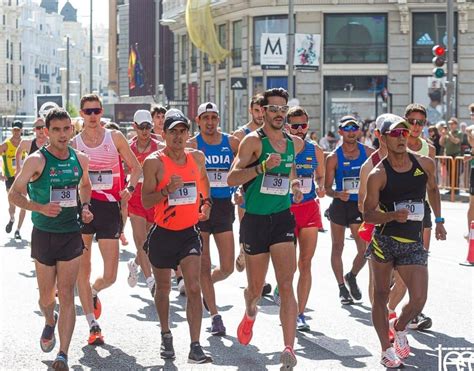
{"type": "Point", "coordinates": [343, 165]}
{"type": "Point", "coordinates": [265, 166]}
{"type": "Point", "coordinates": [55, 177]}
{"type": "Point", "coordinates": [219, 149]}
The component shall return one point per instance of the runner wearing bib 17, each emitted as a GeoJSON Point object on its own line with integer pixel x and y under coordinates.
{"type": "Point", "coordinates": [56, 180]}
{"type": "Point", "coordinates": [104, 148]}
{"type": "Point", "coordinates": [343, 165]}
{"type": "Point", "coordinates": [219, 149]}
{"type": "Point", "coordinates": [265, 166]}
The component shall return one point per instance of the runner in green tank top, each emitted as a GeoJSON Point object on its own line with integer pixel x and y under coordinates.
{"type": "Point", "coordinates": [265, 165]}
{"type": "Point", "coordinates": [56, 178]}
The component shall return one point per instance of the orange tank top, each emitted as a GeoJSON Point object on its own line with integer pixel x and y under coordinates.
{"type": "Point", "coordinates": [180, 210]}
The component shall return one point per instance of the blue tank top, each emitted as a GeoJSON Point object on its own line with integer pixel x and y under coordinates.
{"type": "Point", "coordinates": [246, 130]}
{"type": "Point", "coordinates": [348, 172]}
{"type": "Point", "coordinates": [219, 157]}
{"type": "Point", "coordinates": [306, 164]}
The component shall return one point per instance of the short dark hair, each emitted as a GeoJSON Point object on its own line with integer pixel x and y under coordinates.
{"type": "Point", "coordinates": [471, 108]}
{"type": "Point", "coordinates": [296, 111]}
{"type": "Point", "coordinates": [112, 125]}
{"type": "Point", "coordinates": [157, 109]}
{"type": "Point", "coordinates": [56, 114]}
{"type": "Point", "coordinates": [275, 92]}
{"type": "Point", "coordinates": [90, 98]}
{"type": "Point", "coordinates": [415, 107]}
{"type": "Point", "coordinates": [453, 119]}
{"type": "Point", "coordinates": [256, 99]}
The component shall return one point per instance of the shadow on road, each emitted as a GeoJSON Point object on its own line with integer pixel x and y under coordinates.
{"type": "Point", "coordinates": [360, 312]}
{"type": "Point", "coordinates": [17, 244]}
{"type": "Point", "coordinates": [28, 275]}
{"type": "Point", "coordinates": [125, 255]}
{"type": "Point", "coordinates": [115, 360]}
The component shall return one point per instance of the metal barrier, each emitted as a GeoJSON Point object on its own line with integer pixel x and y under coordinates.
{"type": "Point", "coordinates": [453, 174]}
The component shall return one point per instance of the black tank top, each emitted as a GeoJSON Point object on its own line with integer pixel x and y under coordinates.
{"type": "Point", "coordinates": [34, 147]}
{"type": "Point", "coordinates": [407, 189]}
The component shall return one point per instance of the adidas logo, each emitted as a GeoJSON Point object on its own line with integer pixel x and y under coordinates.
{"type": "Point", "coordinates": [418, 172]}
{"type": "Point", "coordinates": [193, 251]}
{"type": "Point", "coordinates": [425, 39]}
{"type": "Point", "coordinates": [237, 85]}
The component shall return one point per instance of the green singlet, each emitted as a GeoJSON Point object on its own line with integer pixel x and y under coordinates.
{"type": "Point", "coordinates": [268, 193]}
{"type": "Point", "coordinates": [58, 182]}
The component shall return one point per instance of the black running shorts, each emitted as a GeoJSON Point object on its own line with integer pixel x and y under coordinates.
{"type": "Point", "coordinates": [48, 248]}
{"type": "Point", "coordinates": [471, 184]}
{"type": "Point", "coordinates": [344, 213]}
{"type": "Point", "coordinates": [385, 249]}
{"type": "Point", "coordinates": [107, 222]}
{"type": "Point", "coordinates": [259, 232]}
{"type": "Point", "coordinates": [166, 248]}
{"type": "Point", "coordinates": [8, 182]}
{"type": "Point", "coordinates": [222, 217]}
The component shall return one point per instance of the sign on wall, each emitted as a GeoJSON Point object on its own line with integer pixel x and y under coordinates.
{"type": "Point", "coordinates": [273, 51]}
{"type": "Point", "coordinates": [307, 51]}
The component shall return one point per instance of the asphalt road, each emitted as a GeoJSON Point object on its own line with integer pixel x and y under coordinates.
{"type": "Point", "coordinates": [342, 337]}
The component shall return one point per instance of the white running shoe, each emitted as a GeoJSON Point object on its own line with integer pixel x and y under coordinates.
{"type": "Point", "coordinates": [133, 273]}
{"type": "Point", "coordinates": [400, 341]}
{"type": "Point", "coordinates": [181, 287]}
{"type": "Point", "coordinates": [390, 359]}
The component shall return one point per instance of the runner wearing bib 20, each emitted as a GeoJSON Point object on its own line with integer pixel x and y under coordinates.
{"type": "Point", "coordinates": [396, 190]}
{"type": "Point", "coordinates": [175, 180]}
{"type": "Point", "coordinates": [56, 180]}
{"type": "Point", "coordinates": [343, 165]}
{"type": "Point", "coordinates": [104, 148]}
{"type": "Point", "coordinates": [265, 166]}
{"type": "Point", "coordinates": [219, 149]}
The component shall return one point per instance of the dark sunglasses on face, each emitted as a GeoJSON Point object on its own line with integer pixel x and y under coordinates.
{"type": "Point", "coordinates": [350, 128]}
{"type": "Point", "coordinates": [302, 125]}
{"type": "Point", "coordinates": [145, 126]}
{"type": "Point", "coordinates": [39, 127]}
{"type": "Point", "coordinates": [275, 108]}
{"type": "Point", "coordinates": [395, 133]}
{"type": "Point", "coordinates": [90, 111]}
{"type": "Point", "coordinates": [417, 122]}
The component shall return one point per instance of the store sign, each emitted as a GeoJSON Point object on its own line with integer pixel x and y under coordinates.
{"type": "Point", "coordinates": [273, 51]}
{"type": "Point", "coordinates": [45, 102]}
{"type": "Point", "coordinates": [238, 83]}
{"type": "Point", "coordinates": [307, 51]}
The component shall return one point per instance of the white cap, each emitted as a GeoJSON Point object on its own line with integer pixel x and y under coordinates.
{"type": "Point", "coordinates": [381, 119]}
{"type": "Point", "coordinates": [207, 107]}
{"type": "Point", "coordinates": [142, 116]}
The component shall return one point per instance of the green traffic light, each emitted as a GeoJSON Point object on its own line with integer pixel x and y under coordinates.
{"type": "Point", "coordinates": [438, 73]}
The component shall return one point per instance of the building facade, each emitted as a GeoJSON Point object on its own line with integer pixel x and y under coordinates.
{"type": "Point", "coordinates": [374, 56]}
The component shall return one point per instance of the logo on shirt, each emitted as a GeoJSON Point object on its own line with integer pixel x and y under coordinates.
{"type": "Point", "coordinates": [76, 171]}
{"type": "Point", "coordinates": [217, 159]}
{"type": "Point", "coordinates": [418, 172]}
{"type": "Point", "coordinates": [52, 171]}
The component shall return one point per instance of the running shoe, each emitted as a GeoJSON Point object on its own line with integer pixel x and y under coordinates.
{"type": "Point", "coordinates": [132, 273]}
{"type": "Point", "coordinates": [288, 358]}
{"type": "Point", "coordinates": [391, 335]}
{"type": "Point", "coordinates": [97, 306]}
{"type": "Point", "coordinates": [244, 331]}
{"type": "Point", "coordinates": [276, 296]}
{"type": "Point", "coordinates": [95, 336]}
{"type": "Point", "coordinates": [48, 340]}
{"type": "Point", "coordinates": [390, 359]}
{"type": "Point", "coordinates": [354, 290]}
{"type": "Point", "coordinates": [420, 322]}
{"type": "Point", "coordinates": [152, 290]}
{"type": "Point", "coordinates": [9, 226]}
{"type": "Point", "coordinates": [181, 286]}
{"type": "Point", "coordinates": [240, 261]}
{"type": "Point", "coordinates": [166, 349]}
{"type": "Point", "coordinates": [196, 354]}
{"type": "Point", "coordinates": [217, 328]}
{"type": "Point", "coordinates": [267, 289]}
{"type": "Point", "coordinates": [344, 296]}
{"type": "Point", "coordinates": [400, 342]}
{"type": "Point", "coordinates": [17, 235]}
{"type": "Point", "coordinates": [301, 324]}
{"type": "Point", "coordinates": [60, 363]}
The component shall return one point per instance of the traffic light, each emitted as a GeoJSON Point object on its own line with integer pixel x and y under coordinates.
{"type": "Point", "coordinates": [439, 60]}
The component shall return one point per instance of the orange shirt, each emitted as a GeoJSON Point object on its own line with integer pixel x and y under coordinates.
{"type": "Point", "coordinates": [180, 210]}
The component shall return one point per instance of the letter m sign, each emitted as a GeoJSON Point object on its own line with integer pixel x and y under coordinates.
{"type": "Point", "coordinates": [273, 51]}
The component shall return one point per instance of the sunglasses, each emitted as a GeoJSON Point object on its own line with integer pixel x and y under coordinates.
{"type": "Point", "coordinates": [90, 111]}
{"type": "Point", "coordinates": [417, 122]}
{"type": "Point", "coordinates": [395, 133]}
{"type": "Point", "coordinates": [302, 125]}
{"type": "Point", "coordinates": [145, 126]}
{"type": "Point", "coordinates": [39, 127]}
{"type": "Point", "coordinates": [275, 108]}
{"type": "Point", "coordinates": [350, 128]}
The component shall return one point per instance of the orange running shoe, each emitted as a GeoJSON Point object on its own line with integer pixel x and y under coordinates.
{"type": "Point", "coordinates": [244, 331]}
{"type": "Point", "coordinates": [95, 337]}
{"type": "Point", "coordinates": [97, 306]}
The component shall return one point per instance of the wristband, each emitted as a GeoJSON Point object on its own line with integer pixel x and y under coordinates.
{"type": "Point", "coordinates": [264, 166]}
{"type": "Point", "coordinates": [439, 219]}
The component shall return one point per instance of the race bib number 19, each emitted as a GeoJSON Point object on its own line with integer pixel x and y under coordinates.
{"type": "Point", "coordinates": [101, 180]}
{"type": "Point", "coordinates": [66, 196]}
{"type": "Point", "coordinates": [185, 195]}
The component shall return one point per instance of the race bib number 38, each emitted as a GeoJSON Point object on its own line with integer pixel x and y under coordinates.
{"type": "Point", "coordinates": [185, 195]}
{"type": "Point", "coordinates": [275, 184]}
{"type": "Point", "coordinates": [101, 180]}
{"type": "Point", "coordinates": [416, 209]}
{"type": "Point", "coordinates": [66, 196]}
{"type": "Point", "coordinates": [351, 185]}
{"type": "Point", "coordinates": [217, 177]}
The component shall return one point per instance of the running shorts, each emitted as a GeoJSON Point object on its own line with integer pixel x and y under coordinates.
{"type": "Point", "coordinates": [8, 182]}
{"type": "Point", "coordinates": [222, 217]}
{"type": "Point", "coordinates": [471, 183]}
{"type": "Point", "coordinates": [307, 215]}
{"type": "Point", "coordinates": [344, 212]}
{"type": "Point", "coordinates": [135, 207]}
{"type": "Point", "coordinates": [385, 249]}
{"type": "Point", "coordinates": [107, 222]}
{"type": "Point", "coordinates": [48, 248]}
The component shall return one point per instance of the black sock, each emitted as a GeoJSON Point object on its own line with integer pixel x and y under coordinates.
{"type": "Point", "coordinates": [195, 344]}
{"type": "Point", "coordinates": [164, 333]}
{"type": "Point", "coordinates": [342, 285]}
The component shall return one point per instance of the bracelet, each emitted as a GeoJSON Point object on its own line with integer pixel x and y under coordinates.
{"type": "Point", "coordinates": [257, 170]}
{"type": "Point", "coordinates": [88, 204]}
{"type": "Point", "coordinates": [264, 166]}
{"type": "Point", "coordinates": [439, 219]}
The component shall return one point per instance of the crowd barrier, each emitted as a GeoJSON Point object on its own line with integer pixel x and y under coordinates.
{"type": "Point", "coordinates": [453, 174]}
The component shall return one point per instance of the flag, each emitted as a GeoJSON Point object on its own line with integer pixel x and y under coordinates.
{"type": "Point", "coordinates": [139, 71]}
{"type": "Point", "coordinates": [132, 61]}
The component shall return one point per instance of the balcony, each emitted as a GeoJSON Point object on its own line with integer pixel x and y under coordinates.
{"type": "Point", "coordinates": [44, 77]}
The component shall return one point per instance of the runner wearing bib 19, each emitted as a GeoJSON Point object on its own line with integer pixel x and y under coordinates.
{"type": "Point", "coordinates": [104, 148]}
{"type": "Point", "coordinates": [219, 149]}
{"type": "Point", "coordinates": [343, 165]}
{"type": "Point", "coordinates": [55, 178]}
{"type": "Point", "coordinates": [265, 166]}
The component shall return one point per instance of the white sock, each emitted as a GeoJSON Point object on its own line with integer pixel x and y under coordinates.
{"type": "Point", "coordinates": [91, 319]}
{"type": "Point", "coordinates": [213, 315]}
{"type": "Point", "coordinates": [94, 291]}
{"type": "Point", "coordinates": [150, 281]}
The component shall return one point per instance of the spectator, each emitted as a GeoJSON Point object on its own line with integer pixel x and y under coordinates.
{"type": "Point", "coordinates": [452, 138]}
{"type": "Point", "coordinates": [434, 139]}
{"type": "Point", "coordinates": [465, 146]}
{"type": "Point", "coordinates": [313, 136]}
{"type": "Point", "coordinates": [328, 142]}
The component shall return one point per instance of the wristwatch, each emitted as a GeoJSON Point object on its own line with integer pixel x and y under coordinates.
{"type": "Point", "coordinates": [130, 188]}
{"type": "Point", "coordinates": [88, 204]}
{"type": "Point", "coordinates": [439, 219]}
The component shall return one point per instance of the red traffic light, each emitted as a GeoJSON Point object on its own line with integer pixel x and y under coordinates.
{"type": "Point", "coordinates": [439, 50]}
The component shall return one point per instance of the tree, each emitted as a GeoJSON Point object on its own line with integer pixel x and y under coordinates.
{"type": "Point", "coordinates": [72, 110]}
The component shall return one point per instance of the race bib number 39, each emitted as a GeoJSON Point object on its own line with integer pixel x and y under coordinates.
{"type": "Point", "coordinates": [416, 209]}
{"type": "Point", "coordinates": [66, 196]}
{"type": "Point", "coordinates": [185, 195]}
{"type": "Point", "coordinates": [275, 184]}
{"type": "Point", "coordinates": [351, 185]}
{"type": "Point", "coordinates": [101, 180]}
{"type": "Point", "coordinates": [217, 177]}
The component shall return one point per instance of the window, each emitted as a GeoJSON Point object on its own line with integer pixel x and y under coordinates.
{"type": "Point", "coordinates": [19, 50]}
{"type": "Point", "coordinates": [268, 24]}
{"type": "Point", "coordinates": [11, 73]}
{"type": "Point", "coordinates": [205, 61]}
{"type": "Point", "coordinates": [184, 53]}
{"type": "Point", "coordinates": [429, 29]}
{"type": "Point", "coordinates": [8, 49]}
{"type": "Point", "coordinates": [355, 38]}
{"type": "Point", "coordinates": [193, 58]}
{"type": "Point", "coordinates": [8, 73]}
{"type": "Point", "coordinates": [11, 50]}
{"type": "Point", "coordinates": [4, 20]}
{"type": "Point", "coordinates": [8, 95]}
{"type": "Point", "coordinates": [19, 74]}
{"type": "Point", "coordinates": [237, 44]}
{"type": "Point", "coordinates": [16, 23]}
{"type": "Point", "coordinates": [222, 35]}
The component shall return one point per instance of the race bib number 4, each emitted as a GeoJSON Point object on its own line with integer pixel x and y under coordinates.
{"type": "Point", "coordinates": [351, 185]}
{"type": "Point", "coordinates": [275, 184]}
{"type": "Point", "coordinates": [101, 180]}
{"type": "Point", "coordinates": [185, 195]}
{"type": "Point", "coordinates": [66, 196]}
{"type": "Point", "coordinates": [217, 177]}
{"type": "Point", "coordinates": [416, 209]}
